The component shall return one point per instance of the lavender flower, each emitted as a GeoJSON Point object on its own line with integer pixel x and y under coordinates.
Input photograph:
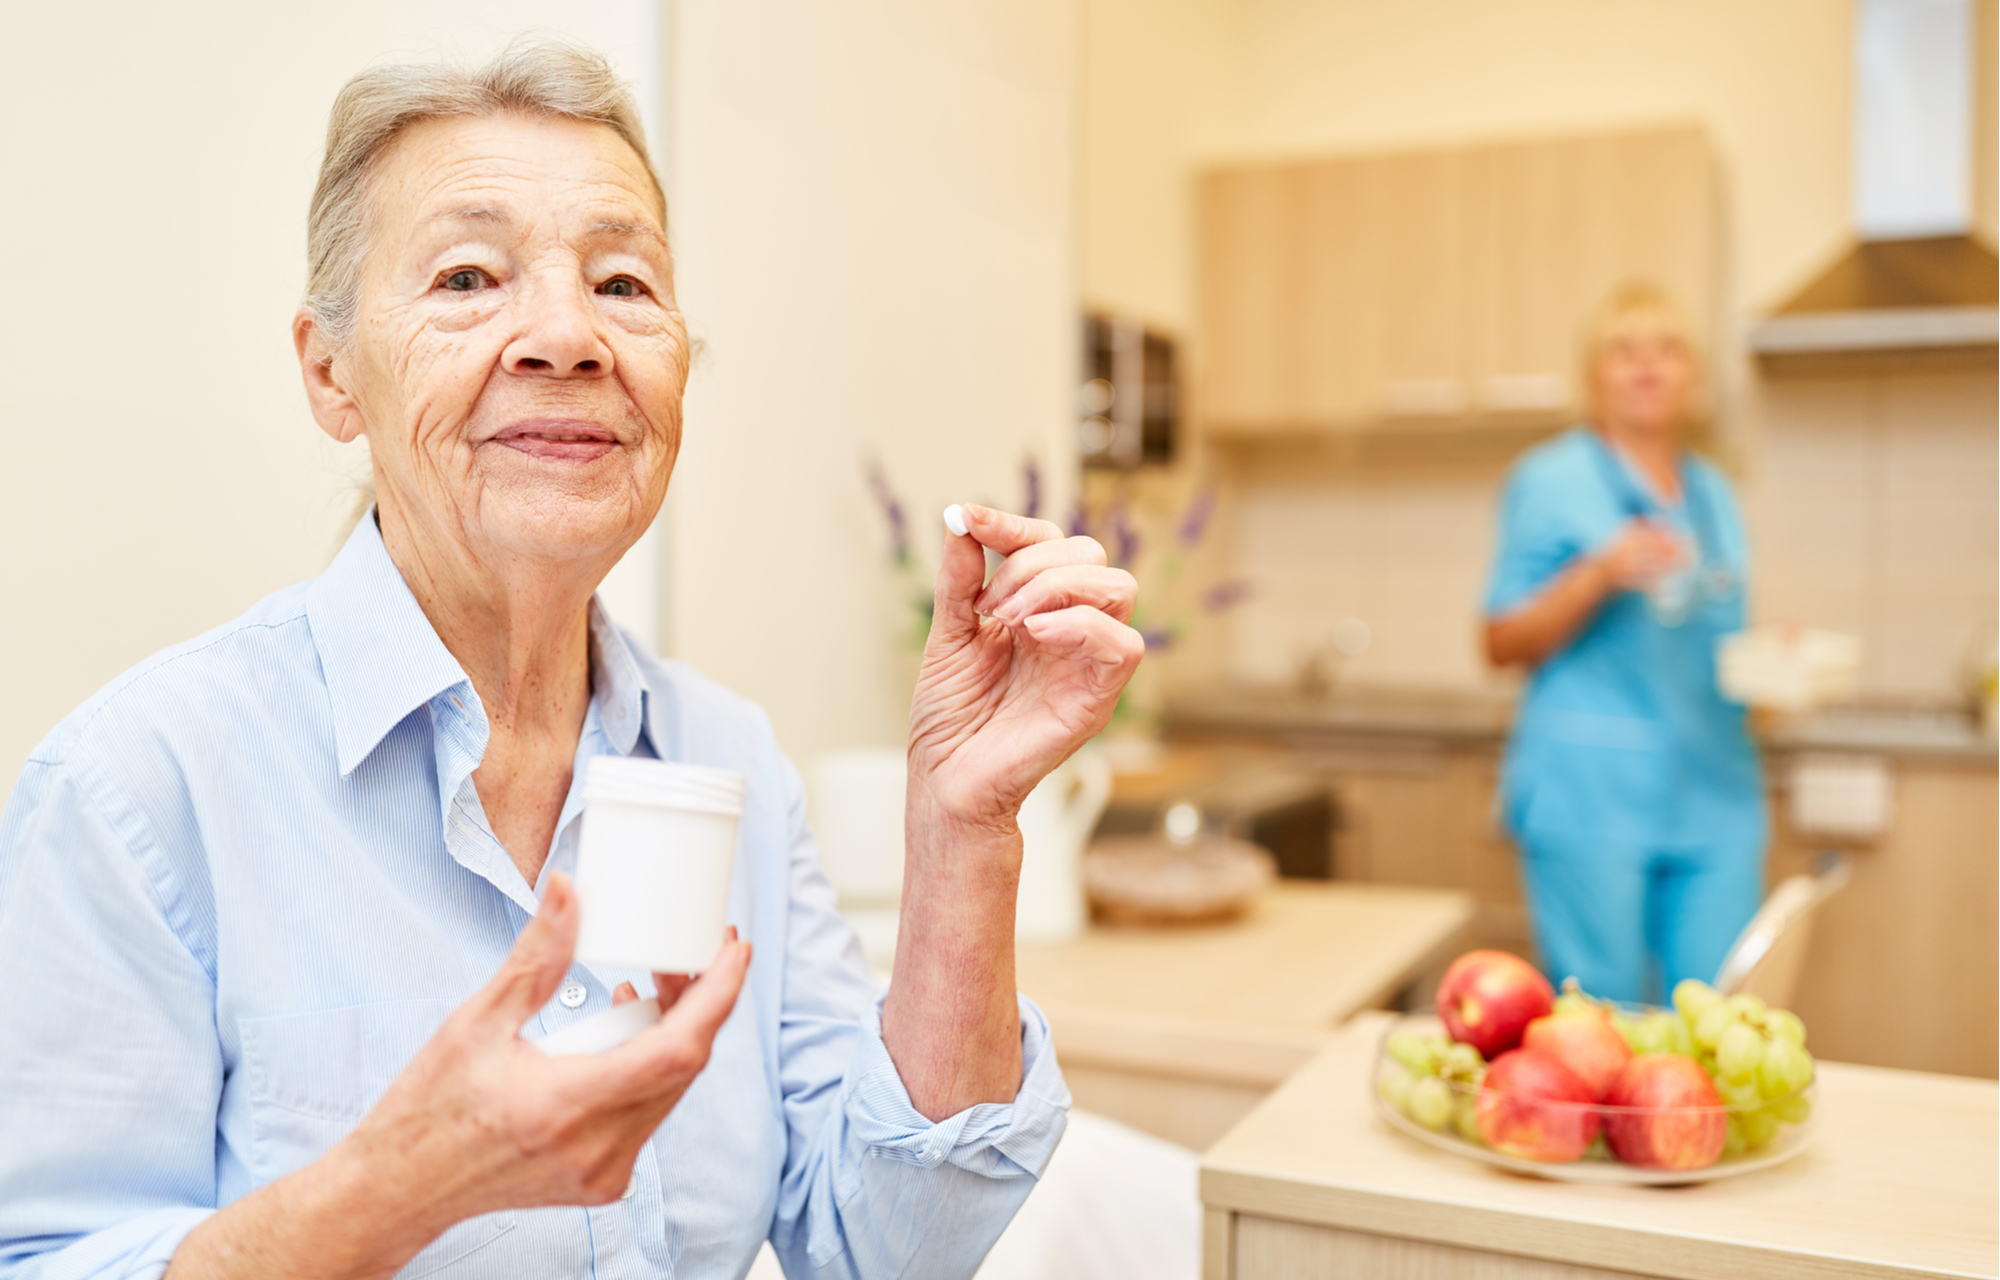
{"type": "Point", "coordinates": [1124, 536]}
{"type": "Point", "coordinates": [892, 511]}
{"type": "Point", "coordinates": [1157, 638]}
{"type": "Point", "coordinates": [1079, 520]}
{"type": "Point", "coordinates": [1031, 475]}
{"type": "Point", "coordinates": [1224, 594]}
{"type": "Point", "coordinates": [1194, 521]}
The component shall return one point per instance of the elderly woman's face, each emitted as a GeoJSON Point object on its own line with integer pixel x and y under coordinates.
{"type": "Point", "coordinates": [519, 358]}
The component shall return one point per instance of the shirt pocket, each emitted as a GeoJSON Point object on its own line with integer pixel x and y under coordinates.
{"type": "Point", "coordinates": [312, 1076]}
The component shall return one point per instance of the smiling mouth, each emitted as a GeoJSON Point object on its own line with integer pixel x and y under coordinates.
{"type": "Point", "coordinates": [557, 440]}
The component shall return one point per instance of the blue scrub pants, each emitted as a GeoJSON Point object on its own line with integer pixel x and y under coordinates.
{"type": "Point", "coordinates": [1616, 916]}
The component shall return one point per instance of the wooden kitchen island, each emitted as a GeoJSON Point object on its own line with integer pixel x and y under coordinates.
{"type": "Point", "coordinates": [1902, 1181]}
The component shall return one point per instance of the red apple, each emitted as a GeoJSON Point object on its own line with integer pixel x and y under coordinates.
{"type": "Point", "coordinates": [1488, 998]}
{"type": "Point", "coordinates": [1584, 1041]}
{"type": "Point", "coordinates": [1680, 1123]}
{"type": "Point", "coordinates": [1532, 1106]}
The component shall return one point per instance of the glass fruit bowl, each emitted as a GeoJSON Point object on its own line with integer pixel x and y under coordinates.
{"type": "Point", "coordinates": [1587, 1141]}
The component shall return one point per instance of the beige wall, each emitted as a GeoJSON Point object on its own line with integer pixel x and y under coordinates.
{"type": "Point", "coordinates": [1400, 538]}
{"type": "Point", "coordinates": [874, 223]}
{"type": "Point", "coordinates": [1875, 514]}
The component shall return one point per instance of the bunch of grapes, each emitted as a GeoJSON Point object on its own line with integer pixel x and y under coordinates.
{"type": "Point", "coordinates": [1434, 1081]}
{"type": "Point", "coordinates": [1654, 1031]}
{"type": "Point", "coordinates": [1756, 1055]}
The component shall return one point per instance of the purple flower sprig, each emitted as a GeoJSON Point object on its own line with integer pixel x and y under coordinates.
{"type": "Point", "coordinates": [1224, 595]}
{"type": "Point", "coordinates": [1194, 521]}
{"type": "Point", "coordinates": [1125, 540]}
{"type": "Point", "coordinates": [892, 511]}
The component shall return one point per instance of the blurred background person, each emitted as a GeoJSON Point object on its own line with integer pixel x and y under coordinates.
{"type": "Point", "coordinates": [1631, 785]}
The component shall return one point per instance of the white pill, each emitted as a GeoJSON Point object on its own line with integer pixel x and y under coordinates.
{"type": "Point", "coordinates": [954, 519]}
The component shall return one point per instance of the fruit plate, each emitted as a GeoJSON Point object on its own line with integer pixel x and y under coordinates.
{"type": "Point", "coordinates": [1597, 1164]}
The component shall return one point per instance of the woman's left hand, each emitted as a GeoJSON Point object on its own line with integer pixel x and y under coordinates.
{"type": "Point", "coordinates": [1018, 675]}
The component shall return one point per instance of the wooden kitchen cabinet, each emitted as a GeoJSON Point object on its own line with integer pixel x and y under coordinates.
{"type": "Point", "coordinates": [1425, 817]}
{"type": "Point", "coordinates": [1440, 288]}
{"type": "Point", "coordinates": [1339, 287]}
{"type": "Point", "coordinates": [1554, 227]}
{"type": "Point", "coordinates": [1900, 971]}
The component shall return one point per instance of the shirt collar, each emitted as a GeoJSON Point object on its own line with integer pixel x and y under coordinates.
{"type": "Point", "coordinates": [381, 656]}
{"type": "Point", "coordinates": [617, 686]}
{"type": "Point", "coordinates": [383, 659]}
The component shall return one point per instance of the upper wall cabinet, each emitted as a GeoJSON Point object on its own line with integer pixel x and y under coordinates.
{"type": "Point", "coordinates": [1440, 288]}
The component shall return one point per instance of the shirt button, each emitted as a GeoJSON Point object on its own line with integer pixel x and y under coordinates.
{"type": "Point", "coordinates": [573, 995]}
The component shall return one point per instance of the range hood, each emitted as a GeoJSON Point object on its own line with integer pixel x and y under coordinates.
{"type": "Point", "coordinates": [1915, 279]}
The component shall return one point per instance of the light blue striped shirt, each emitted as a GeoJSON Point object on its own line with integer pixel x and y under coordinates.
{"type": "Point", "coordinates": [243, 884]}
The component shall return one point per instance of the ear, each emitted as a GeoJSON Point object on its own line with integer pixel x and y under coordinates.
{"type": "Point", "coordinates": [333, 407]}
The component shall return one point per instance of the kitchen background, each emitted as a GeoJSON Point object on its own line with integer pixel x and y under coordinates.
{"type": "Point", "coordinates": [890, 219]}
{"type": "Point", "coordinates": [1374, 228]}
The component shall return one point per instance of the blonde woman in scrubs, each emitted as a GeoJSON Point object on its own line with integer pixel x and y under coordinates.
{"type": "Point", "coordinates": [1631, 785]}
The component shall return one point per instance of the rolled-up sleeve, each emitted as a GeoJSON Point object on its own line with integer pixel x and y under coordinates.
{"type": "Point", "coordinates": [110, 1070]}
{"type": "Point", "coordinates": [871, 1187]}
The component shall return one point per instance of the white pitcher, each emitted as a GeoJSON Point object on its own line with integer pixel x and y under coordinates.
{"type": "Point", "coordinates": [856, 805]}
{"type": "Point", "coordinates": [1056, 821]}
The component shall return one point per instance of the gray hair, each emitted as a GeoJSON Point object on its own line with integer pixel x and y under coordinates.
{"type": "Point", "coordinates": [537, 77]}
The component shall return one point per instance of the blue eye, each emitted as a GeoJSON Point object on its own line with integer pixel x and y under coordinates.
{"type": "Point", "coordinates": [620, 287]}
{"type": "Point", "coordinates": [465, 280]}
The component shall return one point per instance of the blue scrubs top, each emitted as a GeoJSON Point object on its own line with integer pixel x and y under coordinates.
{"type": "Point", "coordinates": [1623, 735]}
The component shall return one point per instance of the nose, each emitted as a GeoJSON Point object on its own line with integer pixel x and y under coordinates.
{"type": "Point", "coordinates": [560, 334]}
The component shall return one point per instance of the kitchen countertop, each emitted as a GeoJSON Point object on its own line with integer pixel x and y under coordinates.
{"type": "Point", "coordinates": [1444, 718]}
{"type": "Point", "coordinates": [1258, 992]}
{"type": "Point", "coordinates": [1900, 1182]}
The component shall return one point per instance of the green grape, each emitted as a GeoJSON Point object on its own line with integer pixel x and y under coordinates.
{"type": "Point", "coordinates": [1738, 1093]}
{"type": "Point", "coordinates": [1394, 1087]}
{"type": "Point", "coordinates": [1785, 1025]}
{"type": "Point", "coordinates": [1796, 1109]}
{"type": "Point", "coordinates": [1637, 1033]}
{"type": "Point", "coordinates": [1431, 1103]}
{"type": "Point", "coordinates": [1692, 996]}
{"type": "Point", "coordinates": [1462, 1060]}
{"type": "Point", "coordinates": [1748, 1007]}
{"type": "Point", "coordinates": [1714, 1020]}
{"type": "Point", "coordinates": [1738, 1052]}
{"type": "Point", "coordinates": [1785, 1069]}
{"type": "Point", "coordinates": [1418, 1053]}
{"type": "Point", "coordinates": [1734, 1144]}
{"type": "Point", "coordinates": [1759, 1127]}
{"type": "Point", "coordinates": [1465, 1118]}
{"type": "Point", "coordinates": [1675, 1037]}
{"type": "Point", "coordinates": [1574, 998]}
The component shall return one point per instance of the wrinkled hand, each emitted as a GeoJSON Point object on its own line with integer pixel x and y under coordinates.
{"type": "Point", "coordinates": [1004, 698]}
{"type": "Point", "coordinates": [1641, 552]}
{"type": "Point", "coordinates": [483, 1120]}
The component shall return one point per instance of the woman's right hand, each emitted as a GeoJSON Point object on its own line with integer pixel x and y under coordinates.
{"type": "Point", "coordinates": [481, 1120]}
{"type": "Point", "coordinates": [1641, 552]}
{"type": "Point", "coordinates": [1635, 557]}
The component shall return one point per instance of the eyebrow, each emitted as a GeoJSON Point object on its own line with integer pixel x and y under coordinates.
{"type": "Point", "coordinates": [472, 213]}
{"type": "Point", "coordinates": [621, 229]}
{"type": "Point", "coordinates": [618, 228]}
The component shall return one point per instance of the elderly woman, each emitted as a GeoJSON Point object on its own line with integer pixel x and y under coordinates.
{"type": "Point", "coordinates": [284, 909]}
{"type": "Point", "coordinates": [1631, 784]}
